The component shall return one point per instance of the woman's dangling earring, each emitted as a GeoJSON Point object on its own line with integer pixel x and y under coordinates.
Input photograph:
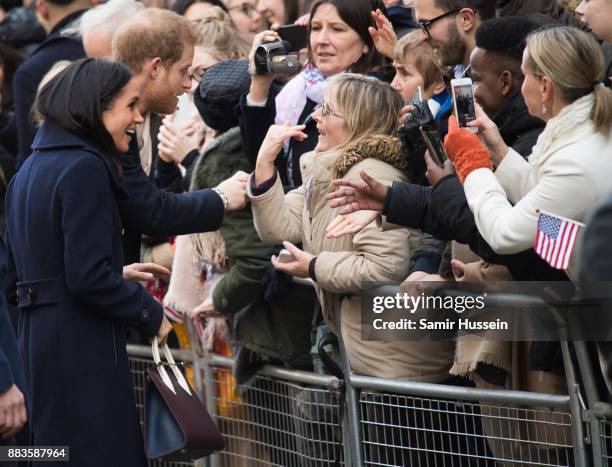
{"type": "Point", "coordinates": [544, 109]}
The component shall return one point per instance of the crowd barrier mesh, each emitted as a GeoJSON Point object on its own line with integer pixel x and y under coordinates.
{"type": "Point", "coordinates": [606, 441]}
{"type": "Point", "coordinates": [276, 423]}
{"type": "Point", "coordinates": [402, 430]}
{"type": "Point", "coordinates": [273, 422]}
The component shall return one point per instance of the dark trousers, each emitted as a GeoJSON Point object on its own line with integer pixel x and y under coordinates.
{"type": "Point", "coordinates": [404, 430]}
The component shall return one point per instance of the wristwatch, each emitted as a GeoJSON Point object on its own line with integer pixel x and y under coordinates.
{"type": "Point", "coordinates": [223, 197]}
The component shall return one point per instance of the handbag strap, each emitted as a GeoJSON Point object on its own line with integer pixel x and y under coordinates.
{"type": "Point", "coordinates": [162, 370]}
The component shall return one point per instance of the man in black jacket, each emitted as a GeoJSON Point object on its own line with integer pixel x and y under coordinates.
{"type": "Point", "coordinates": [56, 15]}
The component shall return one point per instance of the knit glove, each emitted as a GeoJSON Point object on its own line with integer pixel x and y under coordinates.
{"type": "Point", "coordinates": [465, 150]}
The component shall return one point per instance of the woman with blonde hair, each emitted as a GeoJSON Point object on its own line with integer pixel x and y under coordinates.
{"type": "Point", "coordinates": [355, 121]}
{"type": "Point", "coordinates": [352, 138]}
{"type": "Point", "coordinates": [568, 170]}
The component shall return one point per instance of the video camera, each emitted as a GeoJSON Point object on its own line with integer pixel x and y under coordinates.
{"type": "Point", "coordinates": [274, 57]}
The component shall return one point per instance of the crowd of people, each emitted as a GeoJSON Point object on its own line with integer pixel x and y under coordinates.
{"type": "Point", "coordinates": [152, 174]}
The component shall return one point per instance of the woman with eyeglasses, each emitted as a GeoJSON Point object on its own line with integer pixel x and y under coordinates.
{"type": "Point", "coordinates": [352, 138]}
{"type": "Point", "coordinates": [338, 41]}
{"type": "Point", "coordinates": [279, 12]}
{"type": "Point", "coordinates": [245, 16]}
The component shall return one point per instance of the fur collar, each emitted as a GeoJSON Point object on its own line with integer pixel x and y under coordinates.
{"type": "Point", "coordinates": [219, 160]}
{"type": "Point", "coordinates": [384, 148]}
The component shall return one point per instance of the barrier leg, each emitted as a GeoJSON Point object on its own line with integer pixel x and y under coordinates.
{"type": "Point", "coordinates": [580, 457]}
{"type": "Point", "coordinates": [211, 405]}
{"type": "Point", "coordinates": [590, 388]}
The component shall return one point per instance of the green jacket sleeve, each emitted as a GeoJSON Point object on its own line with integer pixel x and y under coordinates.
{"type": "Point", "coordinates": [248, 259]}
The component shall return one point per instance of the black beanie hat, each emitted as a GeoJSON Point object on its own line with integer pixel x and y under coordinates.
{"type": "Point", "coordinates": [218, 95]}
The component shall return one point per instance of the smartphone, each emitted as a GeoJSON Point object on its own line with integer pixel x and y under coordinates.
{"type": "Point", "coordinates": [296, 35]}
{"type": "Point", "coordinates": [433, 141]}
{"type": "Point", "coordinates": [284, 256]}
{"type": "Point", "coordinates": [463, 101]}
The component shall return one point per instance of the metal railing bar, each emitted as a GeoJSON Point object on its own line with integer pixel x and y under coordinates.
{"type": "Point", "coordinates": [414, 388]}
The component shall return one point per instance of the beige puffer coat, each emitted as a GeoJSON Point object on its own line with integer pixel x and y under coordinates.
{"type": "Point", "coordinates": [342, 265]}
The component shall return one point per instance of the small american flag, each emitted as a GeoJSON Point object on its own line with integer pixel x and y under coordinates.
{"type": "Point", "coordinates": [555, 239]}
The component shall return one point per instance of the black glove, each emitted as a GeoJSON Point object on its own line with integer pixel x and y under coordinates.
{"type": "Point", "coordinates": [412, 142]}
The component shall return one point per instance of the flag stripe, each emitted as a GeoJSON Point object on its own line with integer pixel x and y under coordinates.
{"type": "Point", "coordinates": [555, 239]}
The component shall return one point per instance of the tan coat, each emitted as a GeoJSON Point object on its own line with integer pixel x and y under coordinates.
{"type": "Point", "coordinates": [344, 264]}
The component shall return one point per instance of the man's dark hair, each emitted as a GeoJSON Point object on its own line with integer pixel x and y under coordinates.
{"type": "Point", "coordinates": [506, 36]}
{"type": "Point", "coordinates": [484, 8]}
{"type": "Point", "coordinates": [76, 98]}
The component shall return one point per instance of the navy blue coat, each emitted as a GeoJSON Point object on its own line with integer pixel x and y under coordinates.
{"type": "Point", "coordinates": [11, 370]}
{"type": "Point", "coordinates": [64, 230]}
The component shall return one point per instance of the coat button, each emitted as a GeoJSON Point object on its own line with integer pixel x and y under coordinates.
{"type": "Point", "coordinates": [145, 316]}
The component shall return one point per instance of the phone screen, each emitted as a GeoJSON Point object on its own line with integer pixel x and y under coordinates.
{"type": "Point", "coordinates": [297, 36]}
{"type": "Point", "coordinates": [433, 141]}
{"type": "Point", "coordinates": [464, 104]}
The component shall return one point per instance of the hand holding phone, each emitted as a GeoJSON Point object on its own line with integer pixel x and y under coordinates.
{"type": "Point", "coordinates": [284, 256]}
{"type": "Point", "coordinates": [463, 102]}
{"type": "Point", "coordinates": [433, 141]}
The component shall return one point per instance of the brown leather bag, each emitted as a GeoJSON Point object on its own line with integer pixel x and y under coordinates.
{"type": "Point", "coordinates": [177, 426]}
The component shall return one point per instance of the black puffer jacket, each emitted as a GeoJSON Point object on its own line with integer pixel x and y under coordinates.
{"type": "Point", "coordinates": [443, 210]}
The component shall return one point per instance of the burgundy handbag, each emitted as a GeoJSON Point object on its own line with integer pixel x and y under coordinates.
{"type": "Point", "coordinates": [177, 426]}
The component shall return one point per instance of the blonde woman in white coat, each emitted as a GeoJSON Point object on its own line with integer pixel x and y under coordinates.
{"type": "Point", "coordinates": [570, 167]}
{"type": "Point", "coordinates": [355, 122]}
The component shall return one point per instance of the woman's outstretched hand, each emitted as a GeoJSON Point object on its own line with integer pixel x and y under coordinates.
{"type": "Point", "coordinates": [300, 264]}
{"type": "Point", "coordinates": [368, 195]}
{"type": "Point", "coordinates": [350, 224]}
{"type": "Point", "coordinates": [383, 35]}
{"type": "Point", "coordinates": [271, 147]}
{"type": "Point", "coordinates": [145, 272]}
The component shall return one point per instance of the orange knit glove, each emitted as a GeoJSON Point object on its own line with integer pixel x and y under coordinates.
{"type": "Point", "coordinates": [465, 150]}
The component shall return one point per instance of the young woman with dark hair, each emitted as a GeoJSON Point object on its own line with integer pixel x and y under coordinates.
{"type": "Point", "coordinates": [279, 12]}
{"type": "Point", "coordinates": [64, 231]}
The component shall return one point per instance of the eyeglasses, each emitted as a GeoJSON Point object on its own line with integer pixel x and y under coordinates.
{"type": "Point", "coordinates": [246, 8]}
{"type": "Point", "coordinates": [425, 25]}
{"type": "Point", "coordinates": [326, 111]}
{"type": "Point", "coordinates": [198, 74]}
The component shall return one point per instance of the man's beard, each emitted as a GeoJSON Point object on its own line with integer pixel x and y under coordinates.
{"type": "Point", "coordinates": [452, 52]}
{"type": "Point", "coordinates": [161, 101]}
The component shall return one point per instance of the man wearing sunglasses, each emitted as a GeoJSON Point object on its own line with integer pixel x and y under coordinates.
{"type": "Point", "coordinates": [449, 26]}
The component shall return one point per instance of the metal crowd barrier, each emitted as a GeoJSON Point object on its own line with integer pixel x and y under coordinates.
{"type": "Point", "coordinates": [293, 418]}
